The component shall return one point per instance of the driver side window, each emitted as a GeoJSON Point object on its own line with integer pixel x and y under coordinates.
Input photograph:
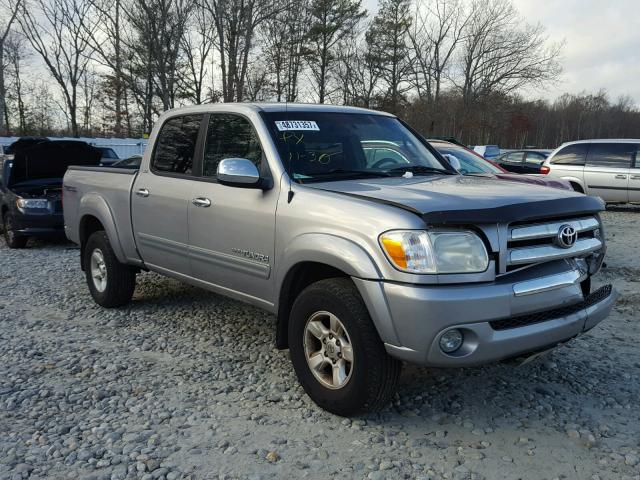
{"type": "Point", "coordinates": [229, 136]}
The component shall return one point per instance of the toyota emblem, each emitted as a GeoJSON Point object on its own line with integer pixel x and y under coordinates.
{"type": "Point", "coordinates": [567, 236]}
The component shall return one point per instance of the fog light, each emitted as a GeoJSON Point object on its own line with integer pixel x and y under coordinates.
{"type": "Point", "coordinates": [451, 340]}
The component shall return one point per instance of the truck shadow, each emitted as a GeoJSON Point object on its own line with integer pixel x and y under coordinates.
{"type": "Point", "coordinates": [551, 392]}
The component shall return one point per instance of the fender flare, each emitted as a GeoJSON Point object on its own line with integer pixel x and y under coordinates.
{"type": "Point", "coordinates": [328, 249]}
{"type": "Point", "coordinates": [94, 205]}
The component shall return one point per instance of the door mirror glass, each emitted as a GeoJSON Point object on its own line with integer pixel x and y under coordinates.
{"type": "Point", "coordinates": [238, 172]}
{"type": "Point", "coordinates": [453, 160]}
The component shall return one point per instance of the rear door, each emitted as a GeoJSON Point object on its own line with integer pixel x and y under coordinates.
{"type": "Point", "coordinates": [634, 178]}
{"type": "Point", "coordinates": [232, 229]}
{"type": "Point", "coordinates": [161, 196]}
{"type": "Point", "coordinates": [606, 173]}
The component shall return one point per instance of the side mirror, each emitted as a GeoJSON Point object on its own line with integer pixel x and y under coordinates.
{"type": "Point", "coordinates": [238, 172]}
{"type": "Point", "coordinates": [453, 160]}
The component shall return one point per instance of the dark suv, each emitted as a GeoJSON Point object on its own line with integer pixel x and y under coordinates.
{"type": "Point", "coordinates": [31, 187]}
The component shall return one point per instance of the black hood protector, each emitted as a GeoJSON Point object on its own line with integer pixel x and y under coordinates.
{"type": "Point", "coordinates": [520, 212]}
{"type": "Point", "coordinates": [463, 200]}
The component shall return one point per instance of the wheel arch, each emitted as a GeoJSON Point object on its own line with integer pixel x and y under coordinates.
{"type": "Point", "coordinates": [313, 257]}
{"type": "Point", "coordinates": [576, 183]}
{"type": "Point", "coordinates": [96, 215]}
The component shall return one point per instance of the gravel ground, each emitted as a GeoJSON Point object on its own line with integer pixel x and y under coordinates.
{"type": "Point", "coordinates": [187, 384]}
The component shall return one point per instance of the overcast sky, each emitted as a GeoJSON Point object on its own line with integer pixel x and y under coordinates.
{"type": "Point", "coordinates": [602, 43]}
{"type": "Point", "coordinates": [602, 47]}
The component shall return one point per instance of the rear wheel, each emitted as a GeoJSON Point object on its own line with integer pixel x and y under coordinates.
{"type": "Point", "coordinates": [12, 239]}
{"type": "Point", "coordinates": [336, 352]}
{"type": "Point", "coordinates": [110, 282]}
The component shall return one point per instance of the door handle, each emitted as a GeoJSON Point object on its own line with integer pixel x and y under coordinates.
{"type": "Point", "coordinates": [635, 177]}
{"type": "Point", "coordinates": [621, 177]}
{"type": "Point", "coordinates": [142, 192]}
{"type": "Point", "coordinates": [201, 202]}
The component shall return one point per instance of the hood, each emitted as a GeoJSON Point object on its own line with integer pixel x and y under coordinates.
{"type": "Point", "coordinates": [460, 199]}
{"type": "Point", "coordinates": [51, 159]}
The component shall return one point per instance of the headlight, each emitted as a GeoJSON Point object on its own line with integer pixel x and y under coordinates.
{"type": "Point", "coordinates": [32, 203]}
{"type": "Point", "coordinates": [416, 251]}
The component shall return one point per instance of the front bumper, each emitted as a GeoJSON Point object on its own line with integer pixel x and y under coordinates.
{"type": "Point", "coordinates": [35, 225]}
{"type": "Point", "coordinates": [520, 313]}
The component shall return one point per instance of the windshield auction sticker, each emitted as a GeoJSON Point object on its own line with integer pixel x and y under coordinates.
{"type": "Point", "coordinates": [284, 125]}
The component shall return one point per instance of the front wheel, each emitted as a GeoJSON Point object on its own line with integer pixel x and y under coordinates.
{"type": "Point", "coordinates": [11, 237]}
{"type": "Point", "coordinates": [336, 352]}
{"type": "Point", "coordinates": [110, 282]}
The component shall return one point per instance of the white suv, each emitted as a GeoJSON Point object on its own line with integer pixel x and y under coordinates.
{"type": "Point", "coordinates": [608, 168]}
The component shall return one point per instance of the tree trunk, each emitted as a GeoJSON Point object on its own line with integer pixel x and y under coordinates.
{"type": "Point", "coordinates": [3, 100]}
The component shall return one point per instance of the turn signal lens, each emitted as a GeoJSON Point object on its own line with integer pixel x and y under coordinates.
{"type": "Point", "coordinates": [409, 251]}
{"type": "Point", "coordinates": [545, 169]}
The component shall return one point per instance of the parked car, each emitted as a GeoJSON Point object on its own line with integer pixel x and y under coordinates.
{"type": "Point", "coordinates": [473, 164]}
{"type": "Point", "coordinates": [487, 151]}
{"type": "Point", "coordinates": [365, 264]}
{"type": "Point", "coordinates": [522, 161]}
{"type": "Point", "coordinates": [607, 168]}
{"type": "Point", "coordinates": [131, 162]}
{"type": "Point", "coordinates": [31, 187]}
{"type": "Point", "coordinates": [109, 156]}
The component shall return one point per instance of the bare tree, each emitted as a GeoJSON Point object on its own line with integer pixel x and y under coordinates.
{"type": "Point", "coordinates": [437, 31]}
{"type": "Point", "coordinates": [60, 32]}
{"type": "Point", "coordinates": [235, 23]}
{"type": "Point", "coordinates": [161, 26]}
{"type": "Point", "coordinates": [387, 39]}
{"type": "Point", "coordinates": [197, 45]}
{"type": "Point", "coordinates": [358, 72]}
{"type": "Point", "coordinates": [108, 44]}
{"type": "Point", "coordinates": [9, 11]}
{"type": "Point", "coordinates": [15, 54]}
{"type": "Point", "coordinates": [282, 36]}
{"type": "Point", "coordinates": [501, 53]}
{"type": "Point", "coordinates": [330, 22]}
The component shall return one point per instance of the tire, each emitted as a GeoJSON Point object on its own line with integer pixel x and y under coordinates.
{"type": "Point", "coordinates": [368, 382]}
{"type": "Point", "coordinates": [11, 238]}
{"type": "Point", "coordinates": [117, 282]}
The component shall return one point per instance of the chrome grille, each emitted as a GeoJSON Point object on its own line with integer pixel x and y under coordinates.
{"type": "Point", "coordinates": [535, 243]}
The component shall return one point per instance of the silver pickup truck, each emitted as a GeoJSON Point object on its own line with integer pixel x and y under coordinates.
{"type": "Point", "coordinates": [368, 256]}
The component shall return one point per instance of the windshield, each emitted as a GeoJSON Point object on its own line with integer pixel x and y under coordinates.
{"type": "Point", "coordinates": [332, 146]}
{"type": "Point", "coordinates": [469, 162]}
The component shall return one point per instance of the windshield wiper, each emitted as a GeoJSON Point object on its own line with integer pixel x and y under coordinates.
{"type": "Point", "coordinates": [422, 169]}
{"type": "Point", "coordinates": [340, 172]}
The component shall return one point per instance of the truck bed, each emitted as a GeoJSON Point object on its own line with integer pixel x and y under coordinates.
{"type": "Point", "coordinates": [105, 193]}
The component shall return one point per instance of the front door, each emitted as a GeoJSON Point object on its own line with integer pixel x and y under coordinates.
{"type": "Point", "coordinates": [232, 229]}
{"type": "Point", "coordinates": [161, 196]}
{"type": "Point", "coordinates": [606, 173]}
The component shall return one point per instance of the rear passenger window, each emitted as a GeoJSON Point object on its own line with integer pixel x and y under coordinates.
{"type": "Point", "coordinates": [515, 157]}
{"type": "Point", "coordinates": [613, 155]}
{"type": "Point", "coordinates": [229, 136]}
{"type": "Point", "coordinates": [176, 145]}
{"type": "Point", "coordinates": [571, 155]}
{"type": "Point", "coordinates": [535, 158]}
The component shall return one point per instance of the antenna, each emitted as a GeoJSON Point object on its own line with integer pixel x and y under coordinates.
{"type": "Point", "coordinates": [289, 169]}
